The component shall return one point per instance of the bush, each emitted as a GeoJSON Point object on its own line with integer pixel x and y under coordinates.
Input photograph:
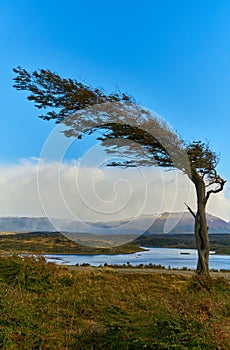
{"type": "Point", "coordinates": [32, 273]}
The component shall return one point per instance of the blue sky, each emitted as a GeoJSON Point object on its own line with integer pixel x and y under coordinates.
{"type": "Point", "coordinates": [172, 56]}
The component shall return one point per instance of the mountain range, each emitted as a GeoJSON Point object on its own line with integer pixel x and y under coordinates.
{"type": "Point", "coordinates": [175, 223]}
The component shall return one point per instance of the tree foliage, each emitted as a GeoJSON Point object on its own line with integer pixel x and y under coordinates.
{"type": "Point", "coordinates": [60, 96]}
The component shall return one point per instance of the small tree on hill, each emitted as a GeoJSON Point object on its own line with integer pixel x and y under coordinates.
{"type": "Point", "coordinates": [84, 109]}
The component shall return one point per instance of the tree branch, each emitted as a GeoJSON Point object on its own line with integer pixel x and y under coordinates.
{"type": "Point", "coordinates": [220, 187]}
{"type": "Point", "coordinates": [190, 210]}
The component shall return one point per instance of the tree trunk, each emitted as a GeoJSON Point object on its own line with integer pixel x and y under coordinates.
{"type": "Point", "coordinates": [201, 229]}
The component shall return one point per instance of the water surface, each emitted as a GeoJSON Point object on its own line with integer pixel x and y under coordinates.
{"type": "Point", "coordinates": [175, 258]}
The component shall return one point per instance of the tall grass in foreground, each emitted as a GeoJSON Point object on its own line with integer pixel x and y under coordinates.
{"type": "Point", "coordinates": [45, 306]}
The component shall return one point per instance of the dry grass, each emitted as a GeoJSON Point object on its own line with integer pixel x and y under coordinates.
{"type": "Point", "coordinates": [55, 243]}
{"type": "Point", "coordinates": [44, 306]}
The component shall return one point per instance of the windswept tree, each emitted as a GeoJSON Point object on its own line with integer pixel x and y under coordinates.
{"type": "Point", "coordinates": [84, 109]}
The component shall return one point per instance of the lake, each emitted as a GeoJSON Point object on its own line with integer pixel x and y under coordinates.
{"type": "Point", "coordinates": [175, 258]}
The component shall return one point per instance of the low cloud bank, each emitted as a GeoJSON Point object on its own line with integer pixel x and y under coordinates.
{"type": "Point", "coordinates": [97, 194]}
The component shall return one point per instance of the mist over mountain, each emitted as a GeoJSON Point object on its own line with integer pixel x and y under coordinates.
{"type": "Point", "coordinates": [174, 223]}
{"type": "Point", "coordinates": [24, 224]}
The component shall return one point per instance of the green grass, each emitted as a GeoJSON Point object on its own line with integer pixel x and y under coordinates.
{"type": "Point", "coordinates": [45, 306]}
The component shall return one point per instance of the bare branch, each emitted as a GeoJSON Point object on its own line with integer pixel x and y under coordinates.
{"type": "Point", "coordinates": [220, 187]}
{"type": "Point", "coordinates": [190, 210]}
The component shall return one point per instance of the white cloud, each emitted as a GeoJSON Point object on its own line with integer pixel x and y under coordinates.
{"type": "Point", "coordinates": [98, 194]}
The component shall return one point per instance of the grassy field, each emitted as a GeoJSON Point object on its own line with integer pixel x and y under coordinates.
{"type": "Point", "coordinates": [45, 306]}
{"type": "Point", "coordinates": [55, 243]}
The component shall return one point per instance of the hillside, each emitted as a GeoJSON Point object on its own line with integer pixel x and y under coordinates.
{"type": "Point", "coordinates": [184, 223]}
{"type": "Point", "coordinates": [175, 223]}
